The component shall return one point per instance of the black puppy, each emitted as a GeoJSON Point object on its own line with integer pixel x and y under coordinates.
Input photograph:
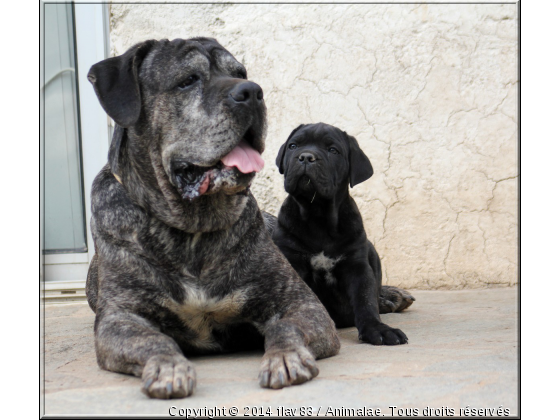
{"type": "Point", "coordinates": [320, 231]}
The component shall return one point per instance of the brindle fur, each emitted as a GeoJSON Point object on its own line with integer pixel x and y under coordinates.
{"type": "Point", "coordinates": [320, 231]}
{"type": "Point", "coordinates": [171, 276]}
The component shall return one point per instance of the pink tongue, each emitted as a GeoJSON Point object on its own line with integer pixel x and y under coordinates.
{"type": "Point", "coordinates": [245, 158]}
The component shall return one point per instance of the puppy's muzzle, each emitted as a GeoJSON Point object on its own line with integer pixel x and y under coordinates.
{"type": "Point", "coordinates": [307, 158]}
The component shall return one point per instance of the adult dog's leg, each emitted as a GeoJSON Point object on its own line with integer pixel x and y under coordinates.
{"type": "Point", "coordinates": [391, 299]}
{"type": "Point", "coordinates": [128, 343]}
{"type": "Point", "coordinates": [293, 342]}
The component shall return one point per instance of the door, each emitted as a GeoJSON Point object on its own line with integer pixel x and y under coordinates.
{"type": "Point", "coordinates": [74, 141]}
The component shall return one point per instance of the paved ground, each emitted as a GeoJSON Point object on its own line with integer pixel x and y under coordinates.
{"type": "Point", "coordinates": [463, 352]}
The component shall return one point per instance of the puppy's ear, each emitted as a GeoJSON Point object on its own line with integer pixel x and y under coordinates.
{"type": "Point", "coordinates": [116, 150]}
{"type": "Point", "coordinates": [282, 151]}
{"type": "Point", "coordinates": [115, 81]}
{"type": "Point", "coordinates": [360, 166]}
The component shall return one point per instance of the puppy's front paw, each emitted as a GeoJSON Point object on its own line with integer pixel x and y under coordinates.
{"type": "Point", "coordinates": [394, 299]}
{"type": "Point", "coordinates": [168, 377]}
{"type": "Point", "coordinates": [285, 368]}
{"type": "Point", "coordinates": [382, 334]}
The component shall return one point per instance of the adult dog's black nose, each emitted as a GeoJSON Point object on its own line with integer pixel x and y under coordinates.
{"type": "Point", "coordinates": [307, 158]}
{"type": "Point", "coordinates": [246, 92]}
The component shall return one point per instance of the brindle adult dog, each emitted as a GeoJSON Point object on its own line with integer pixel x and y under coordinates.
{"type": "Point", "coordinates": [183, 261]}
{"type": "Point", "coordinates": [320, 231]}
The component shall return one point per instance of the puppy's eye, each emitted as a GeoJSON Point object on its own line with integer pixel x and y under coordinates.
{"type": "Point", "coordinates": [292, 146]}
{"type": "Point", "coordinates": [192, 79]}
{"type": "Point", "coordinates": [333, 151]}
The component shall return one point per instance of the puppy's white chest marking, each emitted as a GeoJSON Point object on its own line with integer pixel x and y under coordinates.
{"type": "Point", "coordinates": [202, 313]}
{"type": "Point", "coordinates": [324, 265]}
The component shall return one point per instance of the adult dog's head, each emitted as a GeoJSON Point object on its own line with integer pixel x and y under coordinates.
{"type": "Point", "coordinates": [187, 118]}
{"type": "Point", "coordinates": [319, 160]}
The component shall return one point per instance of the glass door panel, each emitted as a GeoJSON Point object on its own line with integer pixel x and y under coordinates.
{"type": "Point", "coordinates": [64, 197]}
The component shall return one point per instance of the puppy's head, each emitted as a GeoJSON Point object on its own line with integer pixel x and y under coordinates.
{"type": "Point", "coordinates": [192, 112]}
{"type": "Point", "coordinates": [321, 159]}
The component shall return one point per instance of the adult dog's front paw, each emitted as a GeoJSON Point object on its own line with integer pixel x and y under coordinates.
{"type": "Point", "coordinates": [382, 334]}
{"type": "Point", "coordinates": [285, 368]}
{"type": "Point", "coordinates": [168, 377]}
{"type": "Point", "coordinates": [394, 299]}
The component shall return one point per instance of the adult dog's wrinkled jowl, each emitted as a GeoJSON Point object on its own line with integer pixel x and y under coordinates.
{"type": "Point", "coordinates": [320, 230]}
{"type": "Point", "coordinates": [184, 264]}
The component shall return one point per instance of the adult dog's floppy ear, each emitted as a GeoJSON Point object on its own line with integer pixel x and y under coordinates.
{"type": "Point", "coordinates": [116, 151]}
{"type": "Point", "coordinates": [282, 151]}
{"type": "Point", "coordinates": [360, 166]}
{"type": "Point", "coordinates": [115, 81]}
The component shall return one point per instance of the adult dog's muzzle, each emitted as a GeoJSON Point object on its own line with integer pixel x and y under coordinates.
{"type": "Point", "coordinates": [246, 94]}
{"type": "Point", "coordinates": [232, 173]}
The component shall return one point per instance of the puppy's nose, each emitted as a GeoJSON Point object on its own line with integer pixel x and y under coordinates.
{"type": "Point", "coordinates": [307, 158]}
{"type": "Point", "coordinates": [246, 92]}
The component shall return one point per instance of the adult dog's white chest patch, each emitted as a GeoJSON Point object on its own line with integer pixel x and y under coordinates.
{"type": "Point", "coordinates": [202, 313]}
{"type": "Point", "coordinates": [324, 265]}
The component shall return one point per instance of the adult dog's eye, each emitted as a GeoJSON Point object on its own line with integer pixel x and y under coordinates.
{"type": "Point", "coordinates": [292, 146]}
{"type": "Point", "coordinates": [193, 78]}
{"type": "Point", "coordinates": [333, 151]}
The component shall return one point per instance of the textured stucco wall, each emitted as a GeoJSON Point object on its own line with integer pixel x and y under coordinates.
{"type": "Point", "coordinates": [429, 91]}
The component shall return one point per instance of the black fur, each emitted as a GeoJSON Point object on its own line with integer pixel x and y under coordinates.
{"type": "Point", "coordinates": [320, 231]}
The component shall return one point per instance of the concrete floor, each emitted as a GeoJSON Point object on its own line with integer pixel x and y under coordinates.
{"type": "Point", "coordinates": [462, 351]}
